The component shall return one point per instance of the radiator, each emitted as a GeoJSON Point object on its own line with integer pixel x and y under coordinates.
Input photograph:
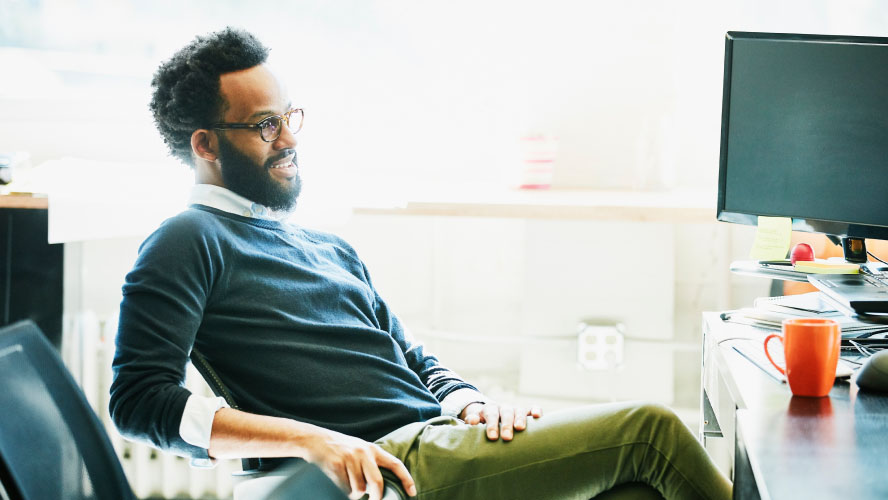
{"type": "Point", "coordinates": [87, 350]}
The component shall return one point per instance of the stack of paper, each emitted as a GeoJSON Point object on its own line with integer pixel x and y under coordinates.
{"type": "Point", "coordinates": [812, 303]}
{"type": "Point", "coordinates": [769, 312]}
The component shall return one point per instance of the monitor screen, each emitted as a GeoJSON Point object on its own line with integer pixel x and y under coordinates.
{"type": "Point", "coordinates": [805, 132]}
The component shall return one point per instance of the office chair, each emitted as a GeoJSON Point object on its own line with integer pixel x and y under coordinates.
{"type": "Point", "coordinates": [277, 478]}
{"type": "Point", "coordinates": [51, 442]}
{"type": "Point", "coordinates": [303, 478]}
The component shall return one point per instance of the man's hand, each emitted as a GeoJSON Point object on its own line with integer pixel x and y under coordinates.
{"type": "Point", "coordinates": [353, 464]}
{"type": "Point", "coordinates": [502, 421]}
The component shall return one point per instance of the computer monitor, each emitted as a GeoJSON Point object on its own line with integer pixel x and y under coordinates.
{"type": "Point", "coordinates": [805, 134]}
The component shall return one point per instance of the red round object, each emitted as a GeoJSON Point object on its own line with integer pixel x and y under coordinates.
{"type": "Point", "coordinates": [801, 251]}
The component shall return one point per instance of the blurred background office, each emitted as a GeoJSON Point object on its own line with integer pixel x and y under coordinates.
{"type": "Point", "coordinates": [530, 293]}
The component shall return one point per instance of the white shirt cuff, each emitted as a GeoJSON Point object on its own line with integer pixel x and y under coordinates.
{"type": "Point", "coordinates": [197, 419]}
{"type": "Point", "coordinates": [454, 403]}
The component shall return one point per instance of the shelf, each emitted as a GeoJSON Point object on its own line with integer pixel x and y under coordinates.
{"type": "Point", "coordinates": [628, 206]}
{"type": "Point", "coordinates": [24, 200]}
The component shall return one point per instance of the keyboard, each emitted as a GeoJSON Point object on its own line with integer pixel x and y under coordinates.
{"type": "Point", "coordinates": [857, 293]}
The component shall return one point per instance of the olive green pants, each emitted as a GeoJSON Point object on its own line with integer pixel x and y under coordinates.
{"type": "Point", "coordinates": [599, 451]}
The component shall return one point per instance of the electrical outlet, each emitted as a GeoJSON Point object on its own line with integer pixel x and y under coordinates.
{"type": "Point", "coordinates": [600, 346]}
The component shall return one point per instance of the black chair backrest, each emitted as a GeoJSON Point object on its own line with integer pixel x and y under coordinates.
{"type": "Point", "coordinates": [306, 478]}
{"type": "Point", "coordinates": [219, 389]}
{"type": "Point", "coordinates": [52, 444]}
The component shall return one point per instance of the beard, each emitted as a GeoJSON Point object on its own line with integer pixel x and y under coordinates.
{"type": "Point", "coordinates": [252, 180]}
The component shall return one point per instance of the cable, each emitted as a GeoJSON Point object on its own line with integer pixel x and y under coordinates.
{"type": "Point", "coordinates": [873, 256]}
{"type": "Point", "coordinates": [722, 341]}
{"type": "Point", "coordinates": [869, 334]}
{"type": "Point", "coordinates": [865, 351]}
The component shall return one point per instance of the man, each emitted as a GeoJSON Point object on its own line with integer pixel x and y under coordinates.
{"type": "Point", "coordinates": [319, 365]}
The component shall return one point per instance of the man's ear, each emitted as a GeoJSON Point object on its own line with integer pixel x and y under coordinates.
{"type": "Point", "coordinates": [204, 144]}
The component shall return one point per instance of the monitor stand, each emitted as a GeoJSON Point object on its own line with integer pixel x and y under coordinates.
{"type": "Point", "coordinates": [777, 270]}
{"type": "Point", "coordinates": [853, 249]}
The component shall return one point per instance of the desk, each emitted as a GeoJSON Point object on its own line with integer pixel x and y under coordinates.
{"type": "Point", "coordinates": [784, 447]}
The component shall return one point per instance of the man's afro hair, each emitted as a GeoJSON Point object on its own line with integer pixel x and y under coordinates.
{"type": "Point", "coordinates": [186, 87]}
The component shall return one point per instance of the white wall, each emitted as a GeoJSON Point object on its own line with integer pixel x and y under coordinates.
{"type": "Point", "coordinates": [397, 90]}
{"type": "Point", "coordinates": [495, 283]}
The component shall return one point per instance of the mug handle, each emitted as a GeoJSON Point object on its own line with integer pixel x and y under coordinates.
{"type": "Point", "coordinates": [769, 337]}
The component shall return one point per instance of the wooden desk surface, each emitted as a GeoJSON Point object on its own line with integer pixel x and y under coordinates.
{"type": "Point", "coordinates": [835, 447]}
{"type": "Point", "coordinates": [24, 201]}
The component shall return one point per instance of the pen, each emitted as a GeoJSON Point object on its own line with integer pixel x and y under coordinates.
{"type": "Point", "coordinates": [775, 263]}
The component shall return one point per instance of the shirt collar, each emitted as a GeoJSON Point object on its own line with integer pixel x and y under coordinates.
{"type": "Point", "coordinates": [226, 200]}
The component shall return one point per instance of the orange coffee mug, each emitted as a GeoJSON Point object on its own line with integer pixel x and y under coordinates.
{"type": "Point", "coordinates": [811, 347]}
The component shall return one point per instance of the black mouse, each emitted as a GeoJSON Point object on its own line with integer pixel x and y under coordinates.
{"type": "Point", "coordinates": [873, 375]}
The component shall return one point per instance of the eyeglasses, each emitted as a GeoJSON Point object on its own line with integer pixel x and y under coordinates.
{"type": "Point", "coordinates": [270, 128]}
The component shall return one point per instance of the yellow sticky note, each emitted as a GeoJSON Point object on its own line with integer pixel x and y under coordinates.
{"type": "Point", "coordinates": [771, 238]}
{"type": "Point", "coordinates": [822, 267]}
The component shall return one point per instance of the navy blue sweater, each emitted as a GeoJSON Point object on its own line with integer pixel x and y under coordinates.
{"type": "Point", "coordinates": [287, 317]}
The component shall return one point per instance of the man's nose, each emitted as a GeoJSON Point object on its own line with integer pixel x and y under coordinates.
{"type": "Point", "coordinates": [287, 140]}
